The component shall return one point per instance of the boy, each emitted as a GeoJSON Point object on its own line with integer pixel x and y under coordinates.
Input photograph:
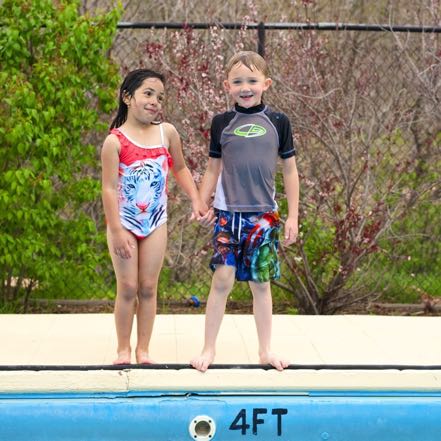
{"type": "Point", "coordinates": [244, 148]}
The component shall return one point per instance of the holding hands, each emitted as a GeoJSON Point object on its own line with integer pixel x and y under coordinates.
{"type": "Point", "coordinates": [199, 209]}
{"type": "Point", "coordinates": [201, 213]}
{"type": "Point", "coordinates": [208, 219]}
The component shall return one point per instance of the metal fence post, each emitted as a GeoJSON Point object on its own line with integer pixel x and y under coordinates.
{"type": "Point", "coordinates": [261, 39]}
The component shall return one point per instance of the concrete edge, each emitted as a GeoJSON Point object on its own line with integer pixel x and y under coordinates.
{"type": "Point", "coordinates": [234, 380]}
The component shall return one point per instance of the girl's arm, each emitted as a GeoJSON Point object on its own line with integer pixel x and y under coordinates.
{"type": "Point", "coordinates": [291, 182]}
{"type": "Point", "coordinates": [122, 240]}
{"type": "Point", "coordinates": [182, 173]}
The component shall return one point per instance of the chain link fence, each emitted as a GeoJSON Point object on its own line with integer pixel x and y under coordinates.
{"type": "Point", "coordinates": [364, 105]}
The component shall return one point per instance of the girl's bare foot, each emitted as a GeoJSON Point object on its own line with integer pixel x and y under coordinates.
{"type": "Point", "coordinates": [204, 360]}
{"type": "Point", "coordinates": [124, 357]}
{"type": "Point", "coordinates": [274, 360]}
{"type": "Point", "coordinates": [143, 357]}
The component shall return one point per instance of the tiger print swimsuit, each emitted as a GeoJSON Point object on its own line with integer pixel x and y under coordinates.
{"type": "Point", "coordinates": [142, 187]}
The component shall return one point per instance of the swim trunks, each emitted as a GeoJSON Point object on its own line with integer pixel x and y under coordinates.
{"type": "Point", "coordinates": [249, 242]}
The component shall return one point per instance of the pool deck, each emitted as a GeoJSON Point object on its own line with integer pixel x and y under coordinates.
{"type": "Point", "coordinates": [87, 340]}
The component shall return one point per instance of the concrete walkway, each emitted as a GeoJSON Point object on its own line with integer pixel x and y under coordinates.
{"type": "Point", "coordinates": [89, 339]}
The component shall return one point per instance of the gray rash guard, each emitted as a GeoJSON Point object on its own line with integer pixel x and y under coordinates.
{"type": "Point", "coordinates": [249, 142]}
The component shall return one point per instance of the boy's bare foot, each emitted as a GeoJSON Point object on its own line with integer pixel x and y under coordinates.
{"type": "Point", "coordinates": [124, 357]}
{"type": "Point", "coordinates": [204, 360]}
{"type": "Point", "coordinates": [143, 358]}
{"type": "Point", "coordinates": [274, 360]}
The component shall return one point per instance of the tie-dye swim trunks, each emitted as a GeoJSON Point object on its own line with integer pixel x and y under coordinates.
{"type": "Point", "coordinates": [249, 242]}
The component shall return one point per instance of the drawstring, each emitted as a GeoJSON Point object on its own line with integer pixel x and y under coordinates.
{"type": "Point", "coordinates": [240, 225]}
{"type": "Point", "coordinates": [239, 228]}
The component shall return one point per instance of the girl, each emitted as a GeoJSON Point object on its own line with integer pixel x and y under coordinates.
{"type": "Point", "coordinates": [136, 157]}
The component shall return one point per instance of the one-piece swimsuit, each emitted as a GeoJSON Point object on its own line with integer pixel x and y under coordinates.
{"type": "Point", "coordinates": [142, 187]}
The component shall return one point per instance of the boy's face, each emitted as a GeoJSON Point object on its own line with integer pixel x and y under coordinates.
{"type": "Point", "coordinates": [246, 86]}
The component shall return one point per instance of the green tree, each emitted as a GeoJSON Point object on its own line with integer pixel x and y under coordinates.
{"type": "Point", "coordinates": [56, 80]}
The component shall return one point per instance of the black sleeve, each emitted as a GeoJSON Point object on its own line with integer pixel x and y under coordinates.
{"type": "Point", "coordinates": [218, 125]}
{"type": "Point", "coordinates": [283, 126]}
{"type": "Point", "coordinates": [215, 134]}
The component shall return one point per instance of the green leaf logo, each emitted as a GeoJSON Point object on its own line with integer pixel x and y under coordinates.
{"type": "Point", "coordinates": [250, 131]}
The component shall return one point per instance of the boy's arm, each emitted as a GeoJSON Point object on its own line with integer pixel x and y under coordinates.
{"type": "Point", "coordinates": [207, 188]}
{"type": "Point", "coordinates": [210, 178]}
{"type": "Point", "coordinates": [291, 182]}
{"type": "Point", "coordinates": [182, 174]}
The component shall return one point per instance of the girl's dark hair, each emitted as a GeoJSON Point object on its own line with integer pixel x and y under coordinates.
{"type": "Point", "coordinates": [132, 81]}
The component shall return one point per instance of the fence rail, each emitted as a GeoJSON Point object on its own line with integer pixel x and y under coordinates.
{"type": "Point", "coordinates": [261, 27]}
{"type": "Point", "coordinates": [284, 26]}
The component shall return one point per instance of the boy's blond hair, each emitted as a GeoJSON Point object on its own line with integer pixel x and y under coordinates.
{"type": "Point", "coordinates": [250, 59]}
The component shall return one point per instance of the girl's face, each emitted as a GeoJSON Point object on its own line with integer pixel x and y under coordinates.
{"type": "Point", "coordinates": [246, 86]}
{"type": "Point", "coordinates": [146, 103]}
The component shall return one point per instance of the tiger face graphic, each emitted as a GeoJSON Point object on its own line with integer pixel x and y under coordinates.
{"type": "Point", "coordinates": [142, 196]}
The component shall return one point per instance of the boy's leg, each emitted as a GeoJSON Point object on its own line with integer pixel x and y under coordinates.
{"type": "Point", "coordinates": [262, 309]}
{"type": "Point", "coordinates": [151, 257]}
{"type": "Point", "coordinates": [126, 272]}
{"type": "Point", "coordinates": [221, 285]}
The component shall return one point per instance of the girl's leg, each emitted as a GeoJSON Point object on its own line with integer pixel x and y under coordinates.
{"type": "Point", "coordinates": [262, 309]}
{"type": "Point", "coordinates": [221, 285]}
{"type": "Point", "coordinates": [151, 257]}
{"type": "Point", "coordinates": [126, 272]}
